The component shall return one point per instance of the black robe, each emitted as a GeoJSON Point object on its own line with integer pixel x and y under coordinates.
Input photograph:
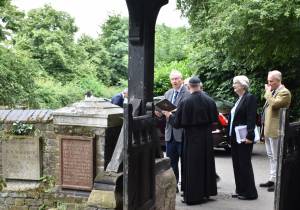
{"type": "Point", "coordinates": [196, 114]}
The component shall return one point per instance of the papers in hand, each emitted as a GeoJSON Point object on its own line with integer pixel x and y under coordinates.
{"type": "Point", "coordinates": [165, 105]}
{"type": "Point", "coordinates": [241, 133]}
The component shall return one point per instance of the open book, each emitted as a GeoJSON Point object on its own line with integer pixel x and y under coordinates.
{"type": "Point", "coordinates": [241, 133]}
{"type": "Point", "coordinates": [165, 105]}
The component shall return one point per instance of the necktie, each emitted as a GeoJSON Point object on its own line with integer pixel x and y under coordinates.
{"type": "Point", "coordinates": [273, 92]}
{"type": "Point", "coordinates": [174, 97]}
{"type": "Point", "coordinates": [265, 106]}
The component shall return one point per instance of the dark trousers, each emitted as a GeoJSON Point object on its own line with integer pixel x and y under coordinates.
{"type": "Point", "coordinates": [174, 151]}
{"type": "Point", "coordinates": [243, 171]}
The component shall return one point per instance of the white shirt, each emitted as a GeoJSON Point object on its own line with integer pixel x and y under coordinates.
{"type": "Point", "coordinates": [233, 113]}
{"type": "Point", "coordinates": [174, 93]}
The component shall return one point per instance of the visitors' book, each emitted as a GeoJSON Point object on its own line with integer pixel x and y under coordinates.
{"type": "Point", "coordinates": [165, 105]}
{"type": "Point", "coordinates": [241, 133]}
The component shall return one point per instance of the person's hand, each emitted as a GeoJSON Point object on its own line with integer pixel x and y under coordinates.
{"type": "Point", "coordinates": [247, 141]}
{"type": "Point", "coordinates": [158, 114]}
{"type": "Point", "coordinates": [167, 114]}
{"type": "Point", "coordinates": [267, 87]}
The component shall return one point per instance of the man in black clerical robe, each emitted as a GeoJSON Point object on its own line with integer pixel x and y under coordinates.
{"type": "Point", "coordinates": [196, 114]}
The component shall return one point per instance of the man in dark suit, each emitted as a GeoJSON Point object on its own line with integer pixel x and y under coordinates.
{"type": "Point", "coordinates": [119, 98]}
{"type": "Point", "coordinates": [173, 136]}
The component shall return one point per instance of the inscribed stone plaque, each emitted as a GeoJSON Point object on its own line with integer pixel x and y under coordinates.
{"type": "Point", "coordinates": [77, 168]}
{"type": "Point", "coordinates": [21, 158]}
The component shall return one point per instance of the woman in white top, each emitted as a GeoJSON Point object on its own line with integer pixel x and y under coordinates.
{"type": "Point", "coordinates": [243, 113]}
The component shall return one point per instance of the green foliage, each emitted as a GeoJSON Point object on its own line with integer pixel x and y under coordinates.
{"type": "Point", "coordinates": [109, 52]}
{"type": "Point", "coordinates": [17, 73]}
{"type": "Point", "coordinates": [20, 128]}
{"type": "Point", "coordinates": [47, 35]}
{"type": "Point", "coordinates": [43, 207]}
{"type": "Point", "coordinates": [44, 67]}
{"type": "Point", "coordinates": [52, 94]}
{"type": "Point", "coordinates": [61, 206]}
{"type": "Point", "coordinates": [172, 50]}
{"type": "Point", "coordinates": [161, 75]}
{"type": "Point", "coordinates": [114, 39]}
{"type": "Point", "coordinates": [47, 183]}
{"type": "Point", "coordinates": [245, 37]}
{"type": "Point", "coordinates": [2, 183]}
{"type": "Point", "coordinates": [10, 19]}
{"type": "Point", "coordinates": [171, 44]}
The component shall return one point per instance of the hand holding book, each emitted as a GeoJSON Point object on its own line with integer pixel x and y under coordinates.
{"type": "Point", "coordinates": [165, 105]}
{"type": "Point", "coordinates": [241, 133]}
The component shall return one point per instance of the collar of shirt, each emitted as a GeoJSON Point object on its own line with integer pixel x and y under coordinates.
{"type": "Point", "coordinates": [179, 90]}
{"type": "Point", "coordinates": [277, 89]}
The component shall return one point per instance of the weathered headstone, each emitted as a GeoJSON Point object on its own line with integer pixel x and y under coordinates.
{"type": "Point", "coordinates": [77, 167]}
{"type": "Point", "coordinates": [21, 158]}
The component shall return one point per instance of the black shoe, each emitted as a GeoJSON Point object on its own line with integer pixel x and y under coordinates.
{"type": "Point", "coordinates": [241, 197]}
{"type": "Point", "coordinates": [267, 184]}
{"type": "Point", "coordinates": [193, 202]}
{"type": "Point", "coordinates": [235, 195]}
{"type": "Point", "coordinates": [271, 188]}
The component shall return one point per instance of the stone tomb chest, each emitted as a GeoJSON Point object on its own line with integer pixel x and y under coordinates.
{"type": "Point", "coordinates": [87, 131]}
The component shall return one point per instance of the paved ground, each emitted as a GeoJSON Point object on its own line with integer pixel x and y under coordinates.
{"type": "Point", "coordinates": [226, 186]}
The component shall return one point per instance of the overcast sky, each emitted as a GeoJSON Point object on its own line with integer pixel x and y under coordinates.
{"type": "Point", "coordinates": [90, 14]}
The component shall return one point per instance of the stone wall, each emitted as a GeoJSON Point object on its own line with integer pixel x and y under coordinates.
{"type": "Point", "coordinates": [49, 147]}
{"type": "Point", "coordinates": [50, 151]}
{"type": "Point", "coordinates": [34, 200]}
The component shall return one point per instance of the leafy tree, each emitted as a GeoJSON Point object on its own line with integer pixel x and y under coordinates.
{"type": "Point", "coordinates": [114, 38]}
{"type": "Point", "coordinates": [171, 44]}
{"type": "Point", "coordinates": [17, 74]}
{"type": "Point", "coordinates": [172, 49]}
{"type": "Point", "coordinates": [48, 35]}
{"type": "Point", "coordinates": [245, 37]}
{"type": "Point", "coordinates": [161, 75]}
{"type": "Point", "coordinates": [109, 51]}
{"type": "Point", "coordinates": [98, 56]}
{"type": "Point", "coordinates": [10, 19]}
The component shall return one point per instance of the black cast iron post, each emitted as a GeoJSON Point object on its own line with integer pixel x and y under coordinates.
{"type": "Point", "coordinates": [139, 141]}
{"type": "Point", "coordinates": [142, 19]}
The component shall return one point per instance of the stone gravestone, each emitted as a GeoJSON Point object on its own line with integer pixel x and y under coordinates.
{"type": "Point", "coordinates": [21, 158]}
{"type": "Point", "coordinates": [87, 131]}
{"type": "Point", "coordinates": [77, 170]}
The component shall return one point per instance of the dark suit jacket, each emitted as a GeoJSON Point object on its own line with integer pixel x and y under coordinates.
{"type": "Point", "coordinates": [177, 133]}
{"type": "Point", "coordinates": [118, 100]}
{"type": "Point", "coordinates": [245, 114]}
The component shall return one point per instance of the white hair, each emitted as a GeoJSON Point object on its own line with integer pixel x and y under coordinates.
{"type": "Point", "coordinates": [175, 72]}
{"type": "Point", "coordinates": [275, 74]}
{"type": "Point", "coordinates": [243, 80]}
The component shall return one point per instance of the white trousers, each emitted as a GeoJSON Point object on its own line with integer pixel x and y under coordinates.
{"type": "Point", "coordinates": [272, 152]}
